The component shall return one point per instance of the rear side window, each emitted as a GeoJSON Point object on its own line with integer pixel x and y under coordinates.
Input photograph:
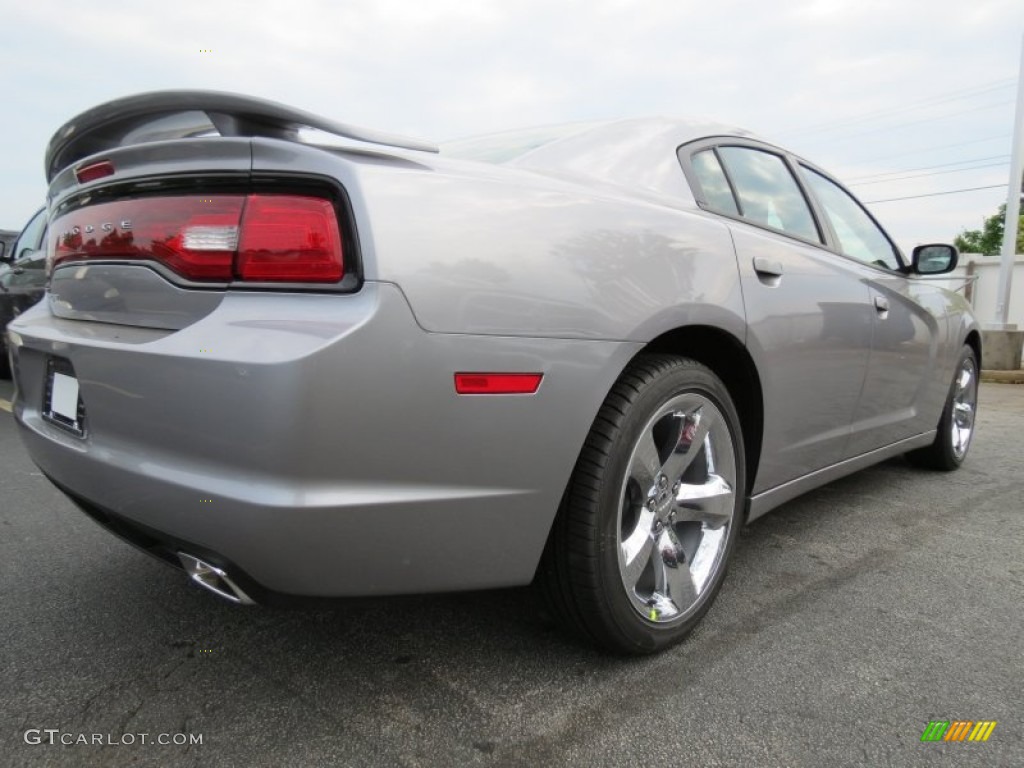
{"type": "Point", "coordinates": [859, 237]}
{"type": "Point", "coordinates": [713, 183]}
{"type": "Point", "coordinates": [768, 193]}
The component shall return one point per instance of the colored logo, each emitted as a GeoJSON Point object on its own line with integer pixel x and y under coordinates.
{"type": "Point", "coordinates": [958, 730]}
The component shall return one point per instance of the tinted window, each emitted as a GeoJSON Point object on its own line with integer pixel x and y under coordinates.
{"type": "Point", "coordinates": [32, 235]}
{"type": "Point", "coordinates": [859, 236]}
{"type": "Point", "coordinates": [767, 191]}
{"type": "Point", "coordinates": [713, 183]}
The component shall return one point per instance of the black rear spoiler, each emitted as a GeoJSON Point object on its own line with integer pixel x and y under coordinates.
{"type": "Point", "coordinates": [180, 114]}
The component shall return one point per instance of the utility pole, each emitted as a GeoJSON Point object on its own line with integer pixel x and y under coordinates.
{"type": "Point", "coordinates": [1012, 210]}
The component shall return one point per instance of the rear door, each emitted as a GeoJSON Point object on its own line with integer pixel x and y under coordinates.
{"type": "Point", "coordinates": [809, 313]}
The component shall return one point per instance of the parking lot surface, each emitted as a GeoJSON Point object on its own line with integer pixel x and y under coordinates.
{"type": "Point", "coordinates": [850, 619]}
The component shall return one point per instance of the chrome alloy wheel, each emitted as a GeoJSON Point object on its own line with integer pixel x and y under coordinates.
{"type": "Point", "coordinates": [965, 400]}
{"type": "Point", "coordinates": [678, 502]}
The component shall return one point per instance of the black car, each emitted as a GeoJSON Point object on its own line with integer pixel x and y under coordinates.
{"type": "Point", "coordinates": [22, 278]}
{"type": "Point", "coordinates": [7, 238]}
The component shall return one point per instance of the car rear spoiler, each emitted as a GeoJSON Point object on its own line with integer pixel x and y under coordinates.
{"type": "Point", "coordinates": [181, 114]}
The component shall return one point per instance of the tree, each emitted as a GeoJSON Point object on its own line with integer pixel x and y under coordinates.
{"type": "Point", "coordinates": [988, 240]}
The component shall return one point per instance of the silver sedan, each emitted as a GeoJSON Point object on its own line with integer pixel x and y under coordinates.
{"type": "Point", "coordinates": [296, 357]}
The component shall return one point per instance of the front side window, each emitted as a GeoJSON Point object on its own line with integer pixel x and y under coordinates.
{"type": "Point", "coordinates": [859, 237]}
{"type": "Point", "coordinates": [768, 193]}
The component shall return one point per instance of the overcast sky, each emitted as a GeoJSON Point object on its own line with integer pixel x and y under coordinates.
{"type": "Point", "coordinates": [861, 87]}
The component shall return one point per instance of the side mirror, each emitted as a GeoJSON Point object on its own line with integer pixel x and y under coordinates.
{"type": "Point", "coordinates": [3, 253]}
{"type": "Point", "coordinates": [935, 259]}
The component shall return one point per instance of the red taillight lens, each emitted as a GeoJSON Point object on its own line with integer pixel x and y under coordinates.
{"type": "Point", "coordinates": [290, 238]}
{"type": "Point", "coordinates": [217, 238]}
{"type": "Point", "coordinates": [194, 236]}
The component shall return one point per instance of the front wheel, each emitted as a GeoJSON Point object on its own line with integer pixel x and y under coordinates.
{"type": "Point", "coordinates": [956, 425]}
{"type": "Point", "coordinates": [640, 546]}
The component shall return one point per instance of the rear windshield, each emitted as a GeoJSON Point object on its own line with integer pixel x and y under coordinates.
{"type": "Point", "coordinates": [502, 147]}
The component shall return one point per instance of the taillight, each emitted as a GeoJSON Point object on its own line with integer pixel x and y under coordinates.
{"type": "Point", "coordinates": [289, 238]}
{"type": "Point", "coordinates": [217, 238]}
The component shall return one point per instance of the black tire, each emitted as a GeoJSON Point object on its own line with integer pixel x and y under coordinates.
{"type": "Point", "coordinates": [944, 454]}
{"type": "Point", "coordinates": [581, 575]}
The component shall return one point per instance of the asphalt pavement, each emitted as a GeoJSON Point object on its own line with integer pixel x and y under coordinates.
{"type": "Point", "coordinates": [850, 619]}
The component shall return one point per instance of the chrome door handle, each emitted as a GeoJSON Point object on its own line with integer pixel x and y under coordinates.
{"type": "Point", "coordinates": [767, 267]}
{"type": "Point", "coordinates": [881, 304]}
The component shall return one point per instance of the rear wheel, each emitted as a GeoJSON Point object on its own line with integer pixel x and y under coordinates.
{"type": "Point", "coordinates": [640, 546]}
{"type": "Point", "coordinates": [956, 426]}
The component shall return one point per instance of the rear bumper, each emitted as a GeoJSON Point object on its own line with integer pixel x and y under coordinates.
{"type": "Point", "coordinates": [322, 454]}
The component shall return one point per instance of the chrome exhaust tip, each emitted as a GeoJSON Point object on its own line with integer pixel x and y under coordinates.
{"type": "Point", "coordinates": [214, 579]}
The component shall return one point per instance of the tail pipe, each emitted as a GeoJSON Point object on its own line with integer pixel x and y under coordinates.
{"type": "Point", "coordinates": [214, 579]}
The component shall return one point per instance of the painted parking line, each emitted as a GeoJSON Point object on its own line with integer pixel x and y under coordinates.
{"type": "Point", "coordinates": [5, 405]}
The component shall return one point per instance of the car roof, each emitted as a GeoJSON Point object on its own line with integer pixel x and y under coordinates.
{"type": "Point", "coordinates": [639, 153]}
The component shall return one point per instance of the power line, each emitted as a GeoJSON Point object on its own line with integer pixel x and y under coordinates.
{"type": "Point", "coordinates": [954, 96]}
{"type": "Point", "coordinates": [935, 194]}
{"type": "Point", "coordinates": [961, 95]}
{"type": "Point", "coordinates": [932, 119]}
{"type": "Point", "coordinates": [932, 173]}
{"type": "Point", "coordinates": [929, 167]}
{"type": "Point", "coordinates": [934, 149]}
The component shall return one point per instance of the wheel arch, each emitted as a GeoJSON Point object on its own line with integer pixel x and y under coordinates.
{"type": "Point", "coordinates": [729, 359]}
{"type": "Point", "coordinates": [726, 355]}
{"type": "Point", "coordinates": [974, 341]}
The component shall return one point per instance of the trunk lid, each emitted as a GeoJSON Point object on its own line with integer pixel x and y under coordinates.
{"type": "Point", "coordinates": [105, 213]}
{"type": "Point", "coordinates": [155, 213]}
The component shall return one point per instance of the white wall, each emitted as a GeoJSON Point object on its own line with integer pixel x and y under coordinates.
{"type": "Point", "coordinates": [983, 295]}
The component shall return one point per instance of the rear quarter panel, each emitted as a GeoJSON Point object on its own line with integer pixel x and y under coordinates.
{"type": "Point", "coordinates": [490, 250]}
